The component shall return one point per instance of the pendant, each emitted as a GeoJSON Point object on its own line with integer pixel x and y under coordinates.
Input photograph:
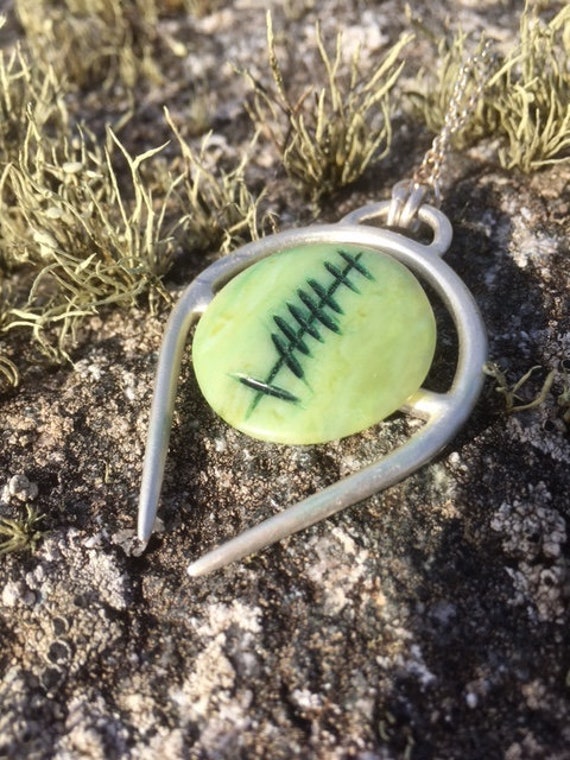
{"type": "Point", "coordinates": [314, 343]}
{"type": "Point", "coordinates": [314, 334]}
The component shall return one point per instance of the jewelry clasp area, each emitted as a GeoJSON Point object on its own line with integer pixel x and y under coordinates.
{"type": "Point", "coordinates": [444, 413]}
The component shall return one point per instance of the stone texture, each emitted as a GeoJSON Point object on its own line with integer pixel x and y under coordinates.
{"type": "Point", "coordinates": [430, 621]}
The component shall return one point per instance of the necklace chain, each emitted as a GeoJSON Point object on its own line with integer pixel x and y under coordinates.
{"type": "Point", "coordinates": [409, 195]}
{"type": "Point", "coordinates": [461, 108]}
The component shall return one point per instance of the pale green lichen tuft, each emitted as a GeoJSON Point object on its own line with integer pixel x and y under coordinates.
{"type": "Point", "coordinates": [77, 236]}
{"type": "Point", "coordinates": [27, 94]}
{"type": "Point", "coordinates": [563, 398]}
{"type": "Point", "coordinates": [85, 225]}
{"type": "Point", "coordinates": [436, 87]}
{"type": "Point", "coordinates": [527, 100]}
{"type": "Point", "coordinates": [327, 136]}
{"type": "Point", "coordinates": [199, 8]}
{"type": "Point", "coordinates": [20, 533]}
{"type": "Point", "coordinates": [514, 401]}
{"type": "Point", "coordinates": [218, 210]}
{"type": "Point", "coordinates": [9, 372]}
{"type": "Point", "coordinates": [533, 103]}
{"type": "Point", "coordinates": [93, 42]}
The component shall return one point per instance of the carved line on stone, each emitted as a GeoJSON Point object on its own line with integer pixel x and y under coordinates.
{"type": "Point", "coordinates": [269, 390]}
{"type": "Point", "coordinates": [307, 325]}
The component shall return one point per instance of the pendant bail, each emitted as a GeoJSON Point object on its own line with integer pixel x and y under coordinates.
{"type": "Point", "coordinates": [376, 215]}
{"type": "Point", "coordinates": [407, 199]}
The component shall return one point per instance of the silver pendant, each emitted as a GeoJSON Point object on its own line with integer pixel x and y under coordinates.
{"type": "Point", "coordinates": [444, 413]}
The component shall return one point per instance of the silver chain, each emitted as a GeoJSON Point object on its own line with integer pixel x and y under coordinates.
{"type": "Point", "coordinates": [458, 113]}
{"type": "Point", "coordinates": [408, 196]}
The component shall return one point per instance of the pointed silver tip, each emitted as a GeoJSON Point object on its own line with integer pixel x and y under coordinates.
{"type": "Point", "coordinates": [212, 560]}
{"type": "Point", "coordinates": [145, 523]}
{"type": "Point", "coordinates": [194, 570]}
{"type": "Point", "coordinates": [206, 564]}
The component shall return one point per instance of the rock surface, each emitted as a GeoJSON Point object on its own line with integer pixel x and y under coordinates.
{"type": "Point", "coordinates": [430, 621]}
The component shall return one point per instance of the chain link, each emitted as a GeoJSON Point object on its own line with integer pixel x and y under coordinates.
{"type": "Point", "coordinates": [408, 196]}
{"type": "Point", "coordinates": [459, 111]}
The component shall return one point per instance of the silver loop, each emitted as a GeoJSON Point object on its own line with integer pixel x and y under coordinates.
{"type": "Point", "coordinates": [407, 199]}
{"type": "Point", "coordinates": [399, 197]}
{"type": "Point", "coordinates": [375, 214]}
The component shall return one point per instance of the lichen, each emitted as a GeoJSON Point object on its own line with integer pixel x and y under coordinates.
{"type": "Point", "coordinates": [533, 536]}
{"type": "Point", "coordinates": [514, 402]}
{"type": "Point", "coordinates": [77, 238]}
{"type": "Point", "coordinates": [218, 211]}
{"type": "Point", "coordinates": [93, 43]}
{"type": "Point", "coordinates": [20, 533]}
{"type": "Point", "coordinates": [527, 101]}
{"type": "Point", "coordinates": [330, 133]}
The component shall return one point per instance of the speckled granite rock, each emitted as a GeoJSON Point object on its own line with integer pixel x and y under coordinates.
{"type": "Point", "coordinates": [430, 621]}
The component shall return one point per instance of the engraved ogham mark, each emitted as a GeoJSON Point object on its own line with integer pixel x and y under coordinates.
{"type": "Point", "coordinates": [321, 313]}
{"type": "Point", "coordinates": [325, 297]}
{"type": "Point", "coordinates": [285, 351]}
{"type": "Point", "coordinates": [290, 333]}
{"type": "Point", "coordinates": [305, 321]}
{"type": "Point", "coordinates": [354, 261]}
{"type": "Point", "coordinates": [316, 308]}
{"type": "Point", "coordinates": [268, 390]}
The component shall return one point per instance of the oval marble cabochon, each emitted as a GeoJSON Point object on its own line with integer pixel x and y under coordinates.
{"type": "Point", "coordinates": [314, 343]}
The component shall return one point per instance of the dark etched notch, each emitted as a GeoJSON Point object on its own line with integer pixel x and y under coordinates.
{"type": "Point", "coordinates": [318, 313]}
{"type": "Point", "coordinates": [265, 388]}
{"type": "Point", "coordinates": [354, 262]}
{"type": "Point", "coordinates": [296, 341]}
{"type": "Point", "coordinates": [285, 351]}
{"type": "Point", "coordinates": [305, 322]}
{"type": "Point", "coordinates": [341, 277]}
{"type": "Point", "coordinates": [325, 296]}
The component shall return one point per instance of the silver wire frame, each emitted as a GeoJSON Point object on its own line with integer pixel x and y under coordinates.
{"type": "Point", "coordinates": [444, 413]}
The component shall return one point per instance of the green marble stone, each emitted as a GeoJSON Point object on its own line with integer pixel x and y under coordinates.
{"type": "Point", "coordinates": [314, 343]}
